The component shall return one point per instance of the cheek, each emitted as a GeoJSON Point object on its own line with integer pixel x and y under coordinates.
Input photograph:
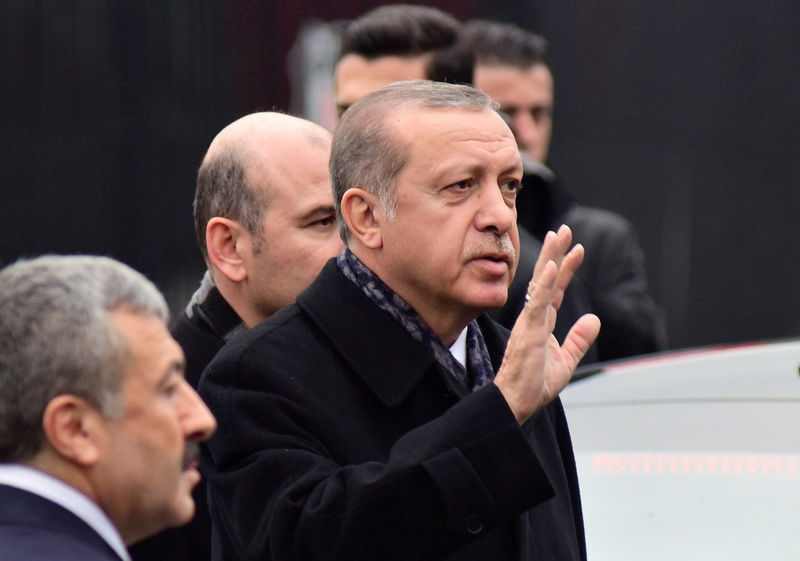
{"type": "Point", "coordinates": [160, 434]}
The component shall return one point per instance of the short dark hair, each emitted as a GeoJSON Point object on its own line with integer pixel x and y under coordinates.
{"type": "Point", "coordinates": [501, 44]}
{"type": "Point", "coordinates": [408, 30]}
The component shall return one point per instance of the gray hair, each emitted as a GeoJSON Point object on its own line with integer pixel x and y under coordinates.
{"type": "Point", "coordinates": [223, 190]}
{"type": "Point", "coordinates": [56, 338]}
{"type": "Point", "coordinates": [366, 153]}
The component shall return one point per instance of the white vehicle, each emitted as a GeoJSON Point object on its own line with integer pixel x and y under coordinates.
{"type": "Point", "coordinates": [692, 455]}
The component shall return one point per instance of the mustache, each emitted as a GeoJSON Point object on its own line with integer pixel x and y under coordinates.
{"type": "Point", "coordinates": [191, 453]}
{"type": "Point", "coordinates": [494, 244]}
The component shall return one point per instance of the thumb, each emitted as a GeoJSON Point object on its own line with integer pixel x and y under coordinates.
{"type": "Point", "coordinates": [580, 337]}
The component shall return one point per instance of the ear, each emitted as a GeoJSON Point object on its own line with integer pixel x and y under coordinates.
{"type": "Point", "coordinates": [74, 429]}
{"type": "Point", "coordinates": [224, 242]}
{"type": "Point", "coordinates": [363, 213]}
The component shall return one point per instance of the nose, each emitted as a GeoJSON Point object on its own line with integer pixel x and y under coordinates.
{"type": "Point", "coordinates": [496, 210]}
{"type": "Point", "coordinates": [196, 419]}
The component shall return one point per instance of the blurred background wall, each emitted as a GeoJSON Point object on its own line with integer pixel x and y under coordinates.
{"type": "Point", "coordinates": [683, 116]}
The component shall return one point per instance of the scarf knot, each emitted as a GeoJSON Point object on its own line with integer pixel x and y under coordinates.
{"type": "Point", "coordinates": [479, 370]}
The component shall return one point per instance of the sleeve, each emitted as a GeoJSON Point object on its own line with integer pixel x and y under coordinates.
{"type": "Point", "coordinates": [278, 491]}
{"type": "Point", "coordinates": [632, 323]}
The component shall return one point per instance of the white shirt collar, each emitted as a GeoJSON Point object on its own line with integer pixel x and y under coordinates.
{"type": "Point", "coordinates": [55, 490]}
{"type": "Point", "coordinates": [459, 348]}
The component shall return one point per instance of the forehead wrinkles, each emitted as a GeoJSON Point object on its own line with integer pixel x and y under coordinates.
{"type": "Point", "coordinates": [448, 125]}
{"type": "Point", "coordinates": [446, 139]}
{"type": "Point", "coordinates": [488, 158]}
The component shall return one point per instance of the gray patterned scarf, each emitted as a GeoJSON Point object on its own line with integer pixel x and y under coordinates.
{"type": "Point", "coordinates": [479, 370]}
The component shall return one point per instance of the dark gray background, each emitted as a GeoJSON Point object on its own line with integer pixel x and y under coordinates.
{"type": "Point", "coordinates": [683, 116]}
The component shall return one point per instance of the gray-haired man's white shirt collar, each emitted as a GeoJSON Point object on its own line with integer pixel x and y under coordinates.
{"type": "Point", "coordinates": [55, 490]}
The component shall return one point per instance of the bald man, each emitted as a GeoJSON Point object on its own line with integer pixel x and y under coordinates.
{"type": "Point", "coordinates": [266, 224]}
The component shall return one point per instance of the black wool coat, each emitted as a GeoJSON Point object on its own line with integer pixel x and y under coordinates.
{"type": "Point", "coordinates": [340, 437]}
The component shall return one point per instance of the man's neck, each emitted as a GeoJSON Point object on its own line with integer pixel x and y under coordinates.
{"type": "Point", "coordinates": [446, 323]}
{"type": "Point", "coordinates": [234, 295]}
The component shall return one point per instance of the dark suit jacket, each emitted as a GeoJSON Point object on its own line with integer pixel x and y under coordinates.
{"type": "Point", "coordinates": [203, 334]}
{"type": "Point", "coordinates": [33, 528]}
{"type": "Point", "coordinates": [614, 275]}
{"type": "Point", "coordinates": [200, 336]}
{"type": "Point", "coordinates": [613, 271]}
{"type": "Point", "coordinates": [340, 437]}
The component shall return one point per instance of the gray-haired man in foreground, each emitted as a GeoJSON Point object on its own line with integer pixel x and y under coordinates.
{"type": "Point", "coordinates": [98, 428]}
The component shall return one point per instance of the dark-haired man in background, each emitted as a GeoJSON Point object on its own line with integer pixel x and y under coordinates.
{"type": "Point", "coordinates": [511, 65]}
{"type": "Point", "coordinates": [399, 42]}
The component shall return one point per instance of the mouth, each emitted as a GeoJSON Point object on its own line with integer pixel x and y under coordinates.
{"type": "Point", "coordinates": [494, 265]}
{"type": "Point", "coordinates": [495, 258]}
{"type": "Point", "coordinates": [495, 255]}
{"type": "Point", "coordinates": [191, 455]}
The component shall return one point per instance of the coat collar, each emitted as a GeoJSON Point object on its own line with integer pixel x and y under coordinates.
{"type": "Point", "coordinates": [218, 315]}
{"type": "Point", "coordinates": [376, 346]}
{"type": "Point", "coordinates": [389, 361]}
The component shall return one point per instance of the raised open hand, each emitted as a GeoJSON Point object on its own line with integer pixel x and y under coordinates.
{"type": "Point", "coordinates": [535, 367]}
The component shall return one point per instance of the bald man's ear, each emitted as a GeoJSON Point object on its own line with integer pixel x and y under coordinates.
{"type": "Point", "coordinates": [225, 240]}
{"type": "Point", "coordinates": [74, 429]}
{"type": "Point", "coordinates": [363, 214]}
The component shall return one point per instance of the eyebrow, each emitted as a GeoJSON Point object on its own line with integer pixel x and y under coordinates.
{"type": "Point", "coordinates": [518, 168]}
{"type": "Point", "coordinates": [319, 211]}
{"type": "Point", "coordinates": [175, 367]}
{"type": "Point", "coordinates": [476, 169]}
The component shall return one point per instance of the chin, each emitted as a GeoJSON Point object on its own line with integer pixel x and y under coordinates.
{"type": "Point", "coordinates": [486, 300]}
{"type": "Point", "coordinates": [182, 511]}
{"type": "Point", "coordinates": [182, 507]}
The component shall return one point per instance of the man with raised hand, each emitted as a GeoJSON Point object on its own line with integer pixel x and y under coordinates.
{"type": "Point", "coordinates": [384, 415]}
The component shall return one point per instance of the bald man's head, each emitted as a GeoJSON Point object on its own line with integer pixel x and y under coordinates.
{"type": "Point", "coordinates": [264, 214]}
{"type": "Point", "coordinates": [259, 144]}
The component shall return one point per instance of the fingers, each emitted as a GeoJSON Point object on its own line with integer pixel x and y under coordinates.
{"type": "Point", "coordinates": [535, 368]}
{"type": "Point", "coordinates": [580, 337]}
{"type": "Point", "coordinates": [522, 375]}
{"type": "Point", "coordinates": [554, 247]}
{"type": "Point", "coordinates": [541, 292]}
{"type": "Point", "coordinates": [572, 261]}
